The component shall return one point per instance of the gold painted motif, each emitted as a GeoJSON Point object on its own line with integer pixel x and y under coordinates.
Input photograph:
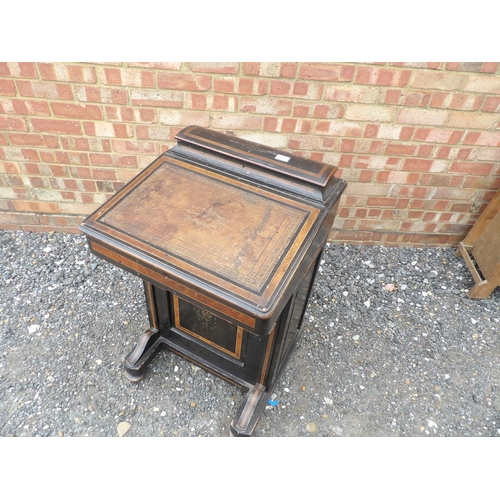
{"type": "Point", "coordinates": [207, 317]}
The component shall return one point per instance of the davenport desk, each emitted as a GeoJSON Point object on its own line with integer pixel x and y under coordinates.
{"type": "Point", "coordinates": [227, 235]}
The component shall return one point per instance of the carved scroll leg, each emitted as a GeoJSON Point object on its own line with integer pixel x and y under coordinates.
{"type": "Point", "coordinates": [252, 411]}
{"type": "Point", "coordinates": [137, 360]}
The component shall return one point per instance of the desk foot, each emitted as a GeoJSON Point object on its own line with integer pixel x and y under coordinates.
{"type": "Point", "coordinates": [138, 359]}
{"type": "Point", "coordinates": [133, 378]}
{"type": "Point", "coordinates": [250, 414]}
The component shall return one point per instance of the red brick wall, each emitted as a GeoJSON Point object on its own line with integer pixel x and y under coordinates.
{"type": "Point", "coordinates": [418, 143]}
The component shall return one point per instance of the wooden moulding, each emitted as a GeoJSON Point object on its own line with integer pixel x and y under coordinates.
{"type": "Point", "coordinates": [483, 243]}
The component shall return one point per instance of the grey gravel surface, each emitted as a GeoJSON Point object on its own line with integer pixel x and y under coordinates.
{"type": "Point", "coordinates": [391, 346]}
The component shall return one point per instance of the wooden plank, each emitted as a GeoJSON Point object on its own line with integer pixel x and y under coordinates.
{"type": "Point", "coordinates": [483, 243]}
{"type": "Point", "coordinates": [472, 268]}
{"type": "Point", "coordinates": [486, 250]}
{"type": "Point", "coordinates": [484, 220]}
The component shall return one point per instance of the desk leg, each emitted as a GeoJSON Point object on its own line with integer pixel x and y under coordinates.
{"type": "Point", "coordinates": [250, 414]}
{"type": "Point", "coordinates": [139, 358]}
{"type": "Point", "coordinates": [149, 344]}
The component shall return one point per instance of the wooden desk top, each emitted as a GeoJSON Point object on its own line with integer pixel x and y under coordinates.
{"type": "Point", "coordinates": [209, 230]}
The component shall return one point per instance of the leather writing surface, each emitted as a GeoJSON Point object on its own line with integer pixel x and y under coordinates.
{"type": "Point", "coordinates": [225, 228]}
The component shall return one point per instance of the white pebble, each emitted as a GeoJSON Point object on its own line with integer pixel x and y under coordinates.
{"type": "Point", "coordinates": [123, 428]}
{"type": "Point", "coordinates": [431, 423]}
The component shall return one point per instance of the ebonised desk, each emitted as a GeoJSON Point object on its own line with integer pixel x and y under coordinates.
{"type": "Point", "coordinates": [226, 235]}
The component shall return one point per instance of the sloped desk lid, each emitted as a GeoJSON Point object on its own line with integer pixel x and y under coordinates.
{"type": "Point", "coordinates": [209, 231]}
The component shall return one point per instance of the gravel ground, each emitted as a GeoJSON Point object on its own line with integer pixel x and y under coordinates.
{"type": "Point", "coordinates": [391, 346]}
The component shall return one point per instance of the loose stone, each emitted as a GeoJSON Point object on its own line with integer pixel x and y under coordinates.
{"type": "Point", "coordinates": [311, 427]}
{"type": "Point", "coordinates": [123, 428]}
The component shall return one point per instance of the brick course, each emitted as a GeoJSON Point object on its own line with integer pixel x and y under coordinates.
{"type": "Point", "coordinates": [418, 143]}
